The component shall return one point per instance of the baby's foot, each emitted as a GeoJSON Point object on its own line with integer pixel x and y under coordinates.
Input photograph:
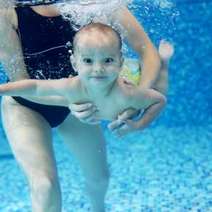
{"type": "Point", "coordinates": [166, 50]}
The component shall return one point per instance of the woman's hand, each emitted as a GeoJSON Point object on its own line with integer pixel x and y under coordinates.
{"type": "Point", "coordinates": [124, 124]}
{"type": "Point", "coordinates": [85, 112]}
{"type": "Point", "coordinates": [131, 120]}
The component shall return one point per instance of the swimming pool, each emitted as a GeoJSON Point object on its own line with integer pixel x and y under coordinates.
{"type": "Point", "coordinates": [167, 167]}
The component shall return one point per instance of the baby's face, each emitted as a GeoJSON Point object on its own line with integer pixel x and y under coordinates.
{"type": "Point", "coordinates": [97, 59]}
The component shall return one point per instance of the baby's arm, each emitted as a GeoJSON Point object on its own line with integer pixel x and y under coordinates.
{"type": "Point", "coordinates": [154, 103]}
{"type": "Point", "coordinates": [49, 100]}
{"type": "Point", "coordinates": [39, 88]}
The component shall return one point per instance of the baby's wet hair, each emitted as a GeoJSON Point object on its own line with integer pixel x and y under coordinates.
{"type": "Point", "coordinates": [99, 27]}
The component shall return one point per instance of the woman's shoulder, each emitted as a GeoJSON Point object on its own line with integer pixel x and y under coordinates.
{"type": "Point", "coordinates": [119, 14]}
{"type": "Point", "coordinates": [9, 15]}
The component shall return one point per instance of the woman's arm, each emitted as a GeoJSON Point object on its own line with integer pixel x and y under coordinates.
{"type": "Point", "coordinates": [155, 102]}
{"type": "Point", "coordinates": [10, 48]}
{"type": "Point", "coordinates": [137, 38]}
{"type": "Point", "coordinates": [140, 42]}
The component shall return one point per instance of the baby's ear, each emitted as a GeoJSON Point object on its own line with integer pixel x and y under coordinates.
{"type": "Point", "coordinates": [73, 62]}
{"type": "Point", "coordinates": [121, 61]}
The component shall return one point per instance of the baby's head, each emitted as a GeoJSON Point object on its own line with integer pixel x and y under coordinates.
{"type": "Point", "coordinates": [97, 53]}
{"type": "Point", "coordinates": [93, 31]}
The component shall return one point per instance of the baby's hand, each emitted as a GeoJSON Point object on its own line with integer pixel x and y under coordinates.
{"type": "Point", "coordinates": [85, 112]}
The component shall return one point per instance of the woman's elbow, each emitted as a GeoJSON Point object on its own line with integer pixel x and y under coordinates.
{"type": "Point", "coordinates": [163, 101]}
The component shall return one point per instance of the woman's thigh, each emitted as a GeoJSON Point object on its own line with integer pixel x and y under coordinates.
{"type": "Point", "coordinates": [30, 139]}
{"type": "Point", "coordinates": [88, 145]}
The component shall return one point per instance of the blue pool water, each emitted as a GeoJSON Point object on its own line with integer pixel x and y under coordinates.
{"type": "Point", "coordinates": [167, 167]}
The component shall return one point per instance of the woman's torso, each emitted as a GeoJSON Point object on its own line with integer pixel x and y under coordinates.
{"type": "Point", "coordinates": [45, 43]}
{"type": "Point", "coordinates": [43, 40]}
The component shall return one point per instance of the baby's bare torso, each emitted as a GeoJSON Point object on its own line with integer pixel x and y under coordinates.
{"type": "Point", "coordinates": [109, 107]}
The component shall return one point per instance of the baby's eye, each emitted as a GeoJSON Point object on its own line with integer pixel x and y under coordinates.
{"type": "Point", "coordinates": [109, 60]}
{"type": "Point", "coordinates": [87, 60]}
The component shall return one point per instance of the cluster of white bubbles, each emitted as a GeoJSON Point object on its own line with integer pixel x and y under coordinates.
{"type": "Point", "coordinates": [82, 12]}
{"type": "Point", "coordinates": [161, 4]}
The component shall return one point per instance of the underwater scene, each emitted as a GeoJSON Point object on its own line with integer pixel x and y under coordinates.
{"type": "Point", "coordinates": [166, 167]}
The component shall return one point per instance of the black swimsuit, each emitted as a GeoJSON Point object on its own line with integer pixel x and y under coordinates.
{"type": "Point", "coordinates": [45, 43]}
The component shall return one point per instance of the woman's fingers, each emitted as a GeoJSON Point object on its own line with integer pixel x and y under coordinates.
{"type": "Point", "coordinates": [121, 131]}
{"type": "Point", "coordinates": [86, 113]}
{"type": "Point", "coordinates": [127, 114]}
{"type": "Point", "coordinates": [80, 107]}
{"type": "Point", "coordinates": [116, 124]}
{"type": "Point", "coordinates": [91, 121]}
{"type": "Point", "coordinates": [127, 127]}
{"type": "Point", "coordinates": [125, 123]}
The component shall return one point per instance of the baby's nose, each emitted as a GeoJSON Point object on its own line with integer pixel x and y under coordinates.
{"type": "Point", "coordinates": [98, 68]}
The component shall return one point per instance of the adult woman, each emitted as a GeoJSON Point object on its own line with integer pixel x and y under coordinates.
{"type": "Point", "coordinates": [28, 32]}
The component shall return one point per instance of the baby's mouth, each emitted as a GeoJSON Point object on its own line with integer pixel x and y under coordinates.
{"type": "Point", "coordinates": [98, 77]}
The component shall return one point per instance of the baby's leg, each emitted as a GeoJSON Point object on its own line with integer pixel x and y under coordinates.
{"type": "Point", "coordinates": [166, 51]}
